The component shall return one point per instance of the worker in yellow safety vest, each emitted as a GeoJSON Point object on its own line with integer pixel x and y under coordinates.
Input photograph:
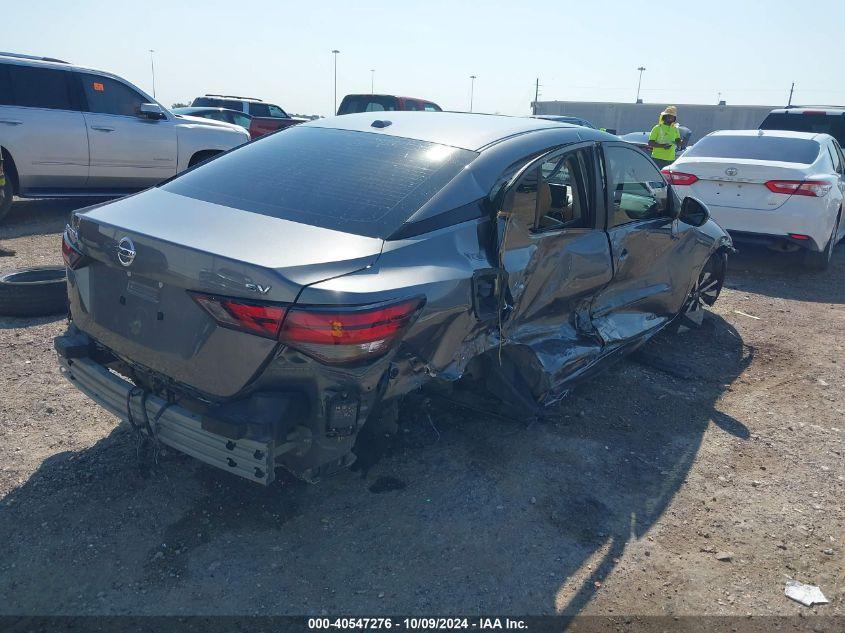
{"type": "Point", "coordinates": [665, 137]}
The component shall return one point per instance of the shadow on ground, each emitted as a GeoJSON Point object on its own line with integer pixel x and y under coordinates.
{"type": "Point", "coordinates": [40, 217]}
{"type": "Point", "coordinates": [481, 514]}
{"type": "Point", "coordinates": [763, 271]}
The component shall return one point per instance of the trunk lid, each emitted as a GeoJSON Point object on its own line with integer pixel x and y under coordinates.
{"type": "Point", "coordinates": [144, 312]}
{"type": "Point", "coordinates": [738, 183]}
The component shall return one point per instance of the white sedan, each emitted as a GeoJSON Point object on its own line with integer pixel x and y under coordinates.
{"type": "Point", "coordinates": [783, 189]}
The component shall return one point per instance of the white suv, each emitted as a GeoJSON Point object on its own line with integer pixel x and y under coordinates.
{"type": "Point", "coordinates": [70, 131]}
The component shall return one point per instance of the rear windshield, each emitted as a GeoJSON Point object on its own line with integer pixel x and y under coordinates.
{"type": "Point", "coordinates": [366, 103]}
{"type": "Point", "coordinates": [787, 150]}
{"type": "Point", "coordinates": [356, 182]}
{"type": "Point", "coordinates": [833, 124]}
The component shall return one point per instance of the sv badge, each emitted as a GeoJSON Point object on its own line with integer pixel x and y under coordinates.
{"type": "Point", "coordinates": [258, 288]}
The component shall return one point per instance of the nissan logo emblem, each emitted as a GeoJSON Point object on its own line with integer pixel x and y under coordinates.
{"type": "Point", "coordinates": [731, 171]}
{"type": "Point", "coordinates": [125, 251]}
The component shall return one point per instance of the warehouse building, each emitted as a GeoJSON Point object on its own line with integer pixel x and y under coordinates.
{"type": "Point", "coordinates": [639, 117]}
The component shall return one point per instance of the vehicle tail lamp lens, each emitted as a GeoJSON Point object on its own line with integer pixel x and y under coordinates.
{"type": "Point", "coordinates": [348, 335]}
{"type": "Point", "coordinates": [798, 236]}
{"type": "Point", "coordinates": [679, 177]}
{"type": "Point", "coordinates": [813, 188]}
{"type": "Point", "coordinates": [247, 316]}
{"type": "Point", "coordinates": [70, 254]}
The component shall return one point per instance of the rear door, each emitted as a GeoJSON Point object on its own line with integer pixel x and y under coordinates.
{"type": "Point", "coordinates": [652, 254]}
{"type": "Point", "coordinates": [42, 126]}
{"type": "Point", "coordinates": [128, 152]}
{"type": "Point", "coordinates": [556, 255]}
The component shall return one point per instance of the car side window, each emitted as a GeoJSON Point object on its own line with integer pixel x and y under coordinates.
{"type": "Point", "coordinates": [40, 88]}
{"type": "Point", "coordinates": [259, 109]}
{"type": "Point", "coordinates": [564, 192]}
{"type": "Point", "coordinates": [555, 194]}
{"type": "Point", "coordinates": [838, 149]}
{"type": "Point", "coordinates": [276, 112]}
{"type": "Point", "coordinates": [834, 157]}
{"type": "Point", "coordinates": [107, 96]}
{"type": "Point", "coordinates": [240, 119]}
{"type": "Point", "coordinates": [430, 107]}
{"type": "Point", "coordinates": [636, 189]}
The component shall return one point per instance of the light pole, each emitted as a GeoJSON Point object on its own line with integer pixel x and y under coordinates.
{"type": "Point", "coordinates": [639, 83]}
{"type": "Point", "coordinates": [472, 79]}
{"type": "Point", "coordinates": [335, 52]}
{"type": "Point", "coordinates": [153, 69]}
{"type": "Point", "coordinates": [372, 80]}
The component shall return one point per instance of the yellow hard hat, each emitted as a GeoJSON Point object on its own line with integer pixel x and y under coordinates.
{"type": "Point", "coordinates": [671, 111]}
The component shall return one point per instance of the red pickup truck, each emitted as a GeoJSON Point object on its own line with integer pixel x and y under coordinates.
{"type": "Point", "coordinates": [379, 103]}
{"type": "Point", "coordinates": [260, 125]}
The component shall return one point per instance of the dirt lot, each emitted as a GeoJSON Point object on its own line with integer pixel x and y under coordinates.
{"type": "Point", "coordinates": [724, 440]}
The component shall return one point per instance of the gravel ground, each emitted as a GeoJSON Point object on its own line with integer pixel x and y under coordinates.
{"type": "Point", "coordinates": [695, 478]}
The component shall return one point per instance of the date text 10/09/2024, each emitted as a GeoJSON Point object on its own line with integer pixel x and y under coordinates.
{"type": "Point", "coordinates": [412, 624]}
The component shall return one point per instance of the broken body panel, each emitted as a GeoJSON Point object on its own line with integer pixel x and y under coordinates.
{"type": "Point", "coordinates": [537, 304]}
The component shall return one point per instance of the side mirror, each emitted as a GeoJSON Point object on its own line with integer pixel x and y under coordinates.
{"type": "Point", "coordinates": [151, 111]}
{"type": "Point", "coordinates": [693, 212]}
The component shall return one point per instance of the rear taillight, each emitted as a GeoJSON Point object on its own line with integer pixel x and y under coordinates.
{"type": "Point", "coordinates": [348, 335]}
{"type": "Point", "coordinates": [814, 188]}
{"type": "Point", "coordinates": [261, 319]}
{"type": "Point", "coordinates": [70, 254]}
{"type": "Point", "coordinates": [679, 177]}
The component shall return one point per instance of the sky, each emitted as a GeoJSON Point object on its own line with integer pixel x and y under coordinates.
{"type": "Point", "coordinates": [748, 51]}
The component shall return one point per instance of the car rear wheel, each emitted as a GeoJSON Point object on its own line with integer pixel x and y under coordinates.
{"type": "Point", "coordinates": [6, 193]}
{"type": "Point", "coordinates": [34, 291]}
{"type": "Point", "coordinates": [704, 292]}
{"type": "Point", "coordinates": [820, 260]}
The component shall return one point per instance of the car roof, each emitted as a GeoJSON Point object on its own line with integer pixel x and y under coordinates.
{"type": "Point", "coordinates": [368, 94]}
{"type": "Point", "coordinates": [813, 136]}
{"type": "Point", "coordinates": [836, 110]}
{"type": "Point", "coordinates": [457, 129]}
{"type": "Point", "coordinates": [48, 62]}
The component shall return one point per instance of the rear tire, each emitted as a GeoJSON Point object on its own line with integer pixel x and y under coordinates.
{"type": "Point", "coordinates": [6, 194]}
{"type": "Point", "coordinates": [33, 291]}
{"type": "Point", "coordinates": [820, 260]}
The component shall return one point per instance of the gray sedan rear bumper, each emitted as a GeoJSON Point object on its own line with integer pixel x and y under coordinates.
{"type": "Point", "coordinates": [176, 426]}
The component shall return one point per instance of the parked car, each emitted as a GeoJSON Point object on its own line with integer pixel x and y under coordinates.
{"type": "Point", "coordinates": [818, 119]}
{"type": "Point", "coordinates": [284, 296]}
{"type": "Point", "coordinates": [255, 125]}
{"type": "Point", "coordinates": [234, 117]}
{"type": "Point", "coordinates": [773, 187]}
{"type": "Point", "coordinates": [384, 103]}
{"type": "Point", "coordinates": [72, 131]}
{"type": "Point", "coordinates": [574, 120]}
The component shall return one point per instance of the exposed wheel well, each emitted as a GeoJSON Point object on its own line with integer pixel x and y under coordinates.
{"type": "Point", "coordinates": [11, 169]}
{"type": "Point", "coordinates": [202, 155]}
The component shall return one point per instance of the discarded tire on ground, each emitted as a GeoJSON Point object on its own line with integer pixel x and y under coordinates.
{"type": "Point", "coordinates": [33, 291]}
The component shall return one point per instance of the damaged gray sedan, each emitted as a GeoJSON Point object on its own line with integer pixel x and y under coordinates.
{"type": "Point", "coordinates": [262, 309]}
